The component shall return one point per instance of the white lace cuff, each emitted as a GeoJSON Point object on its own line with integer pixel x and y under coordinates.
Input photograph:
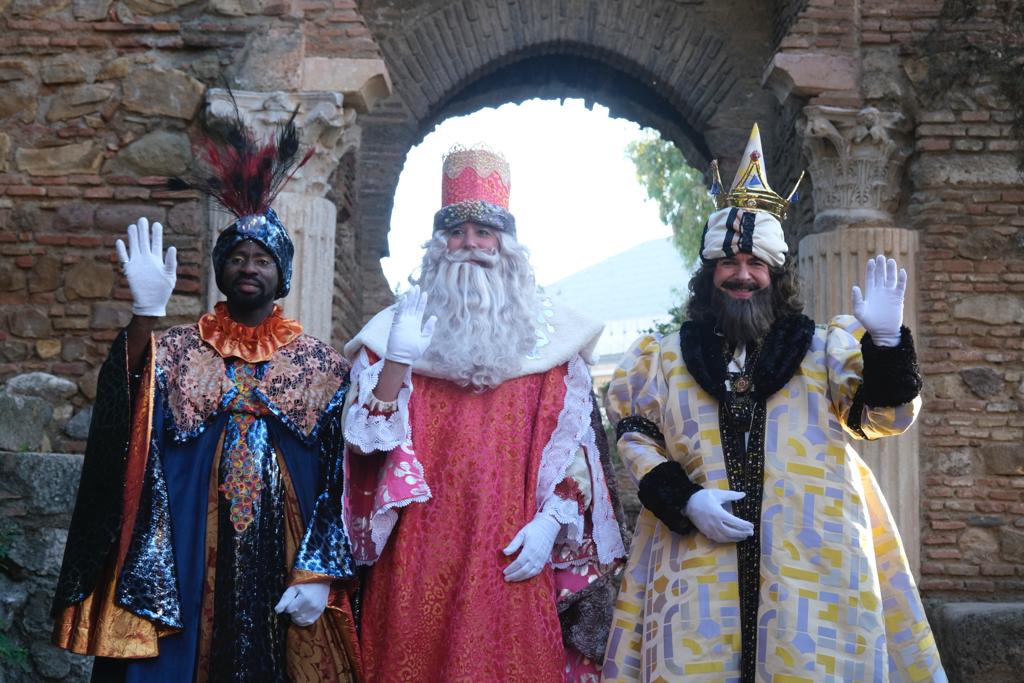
{"type": "Point", "coordinates": [378, 406]}
{"type": "Point", "coordinates": [384, 432]}
{"type": "Point", "coordinates": [566, 511]}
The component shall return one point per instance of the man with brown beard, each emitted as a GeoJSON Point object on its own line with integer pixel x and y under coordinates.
{"type": "Point", "coordinates": [764, 550]}
{"type": "Point", "coordinates": [477, 483]}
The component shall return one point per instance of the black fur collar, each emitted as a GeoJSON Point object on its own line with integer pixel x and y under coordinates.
{"type": "Point", "coordinates": [784, 348]}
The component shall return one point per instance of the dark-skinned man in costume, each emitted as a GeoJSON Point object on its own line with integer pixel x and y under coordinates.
{"type": "Point", "coordinates": [207, 542]}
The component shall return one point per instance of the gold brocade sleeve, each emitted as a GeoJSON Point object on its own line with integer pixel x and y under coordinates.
{"type": "Point", "coordinates": [638, 389]}
{"type": "Point", "coordinates": [97, 625]}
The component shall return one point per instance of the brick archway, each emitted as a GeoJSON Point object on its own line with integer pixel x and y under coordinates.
{"type": "Point", "coordinates": [681, 68]}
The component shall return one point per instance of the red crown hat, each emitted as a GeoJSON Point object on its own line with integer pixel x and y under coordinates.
{"type": "Point", "coordinates": [475, 173]}
{"type": "Point", "coordinates": [475, 184]}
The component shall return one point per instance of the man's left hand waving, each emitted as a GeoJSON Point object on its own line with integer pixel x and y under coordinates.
{"type": "Point", "coordinates": [880, 307]}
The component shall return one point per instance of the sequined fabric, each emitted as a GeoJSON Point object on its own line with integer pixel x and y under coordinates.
{"type": "Point", "coordinates": [475, 173]}
{"type": "Point", "coordinates": [96, 520]}
{"type": "Point", "coordinates": [148, 584]}
{"type": "Point", "coordinates": [477, 211]}
{"type": "Point", "coordinates": [635, 423]}
{"type": "Point", "coordinates": [301, 379]}
{"type": "Point", "coordinates": [743, 451]}
{"type": "Point", "coordinates": [324, 549]}
{"type": "Point", "coordinates": [245, 446]}
{"type": "Point", "coordinates": [248, 636]}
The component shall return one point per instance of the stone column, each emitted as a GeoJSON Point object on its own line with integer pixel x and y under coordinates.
{"type": "Point", "coordinates": [855, 160]}
{"type": "Point", "coordinates": [328, 127]}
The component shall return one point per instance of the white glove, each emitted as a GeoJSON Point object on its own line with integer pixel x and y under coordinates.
{"type": "Point", "coordinates": [409, 337]}
{"type": "Point", "coordinates": [706, 509]}
{"type": "Point", "coordinates": [304, 602]}
{"type": "Point", "coordinates": [151, 275]}
{"type": "Point", "coordinates": [880, 308]}
{"type": "Point", "coordinates": [537, 539]}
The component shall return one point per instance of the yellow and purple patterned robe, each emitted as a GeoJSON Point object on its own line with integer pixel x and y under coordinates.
{"type": "Point", "coordinates": [838, 602]}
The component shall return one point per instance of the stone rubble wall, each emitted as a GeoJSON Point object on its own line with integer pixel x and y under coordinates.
{"type": "Point", "coordinates": [965, 198]}
{"type": "Point", "coordinates": [37, 494]}
{"type": "Point", "coordinates": [99, 102]}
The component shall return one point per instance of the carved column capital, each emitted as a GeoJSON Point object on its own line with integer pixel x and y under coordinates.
{"type": "Point", "coordinates": [323, 123]}
{"type": "Point", "coordinates": [855, 158]}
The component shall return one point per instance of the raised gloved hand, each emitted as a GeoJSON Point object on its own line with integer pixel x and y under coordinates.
{"type": "Point", "coordinates": [151, 275]}
{"type": "Point", "coordinates": [706, 509]}
{"type": "Point", "coordinates": [880, 308]}
{"type": "Point", "coordinates": [304, 602]}
{"type": "Point", "coordinates": [536, 539]}
{"type": "Point", "coordinates": [409, 336]}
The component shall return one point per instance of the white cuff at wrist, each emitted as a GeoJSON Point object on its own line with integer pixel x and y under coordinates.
{"type": "Point", "coordinates": [889, 340]}
{"type": "Point", "coordinates": [151, 312]}
{"type": "Point", "coordinates": [375, 405]}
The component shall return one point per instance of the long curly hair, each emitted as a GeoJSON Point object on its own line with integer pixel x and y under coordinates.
{"type": "Point", "coordinates": [785, 292]}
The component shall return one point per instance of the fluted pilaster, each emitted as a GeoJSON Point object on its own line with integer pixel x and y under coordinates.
{"type": "Point", "coordinates": [830, 263]}
{"type": "Point", "coordinates": [855, 159]}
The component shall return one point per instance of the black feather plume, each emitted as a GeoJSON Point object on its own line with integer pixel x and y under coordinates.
{"type": "Point", "coordinates": [238, 172]}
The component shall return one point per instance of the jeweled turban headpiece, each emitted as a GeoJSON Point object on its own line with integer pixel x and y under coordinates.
{"type": "Point", "coordinates": [748, 219]}
{"type": "Point", "coordinates": [475, 185]}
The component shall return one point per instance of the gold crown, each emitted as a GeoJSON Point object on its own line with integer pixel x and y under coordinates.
{"type": "Point", "coordinates": [750, 189]}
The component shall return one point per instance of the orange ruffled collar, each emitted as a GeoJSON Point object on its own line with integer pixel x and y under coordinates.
{"type": "Point", "coordinates": [251, 344]}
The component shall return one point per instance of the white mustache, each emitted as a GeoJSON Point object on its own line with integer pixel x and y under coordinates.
{"type": "Point", "coordinates": [485, 257]}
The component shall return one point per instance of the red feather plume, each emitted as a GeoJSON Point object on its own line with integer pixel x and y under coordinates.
{"type": "Point", "coordinates": [240, 173]}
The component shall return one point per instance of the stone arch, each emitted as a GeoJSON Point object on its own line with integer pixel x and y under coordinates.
{"type": "Point", "coordinates": [680, 67]}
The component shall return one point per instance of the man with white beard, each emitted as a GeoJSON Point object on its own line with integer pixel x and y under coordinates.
{"type": "Point", "coordinates": [477, 480]}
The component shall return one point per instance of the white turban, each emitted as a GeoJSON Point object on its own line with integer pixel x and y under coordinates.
{"type": "Point", "coordinates": [732, 231]}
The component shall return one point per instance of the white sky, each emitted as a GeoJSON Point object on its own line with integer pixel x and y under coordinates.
{"type": "Point", "coordinates": [574, 194]}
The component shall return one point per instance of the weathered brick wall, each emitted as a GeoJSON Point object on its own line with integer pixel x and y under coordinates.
{"type": "Point", "coordinates": [98, 103]}
{"type": "Point", "coordinates": [821, 25]}
{"type": "Point", "coordinates": [786, 13]}
{"type": "Point", "coordinates": [966, 199]}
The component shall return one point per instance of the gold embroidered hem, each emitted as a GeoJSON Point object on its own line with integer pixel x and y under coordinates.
{"type": "Point", "coordinates": [251, 344]}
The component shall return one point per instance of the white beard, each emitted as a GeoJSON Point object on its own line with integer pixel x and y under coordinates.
{"type": "Point", "coordinates": [486, 314]}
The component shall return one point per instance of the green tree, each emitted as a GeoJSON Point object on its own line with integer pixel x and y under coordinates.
{"type": "Point", "coordinates": [683, 200]}
{"type": "Point", "coordinates": [678, 188]}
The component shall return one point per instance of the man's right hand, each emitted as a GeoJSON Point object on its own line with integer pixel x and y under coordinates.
{"type": "Point", "coordinates": [410, 336]}
{"type": "Point", "coordinates": [151, 275]}
{"type": "Point", "coordinates": [706, 509]}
